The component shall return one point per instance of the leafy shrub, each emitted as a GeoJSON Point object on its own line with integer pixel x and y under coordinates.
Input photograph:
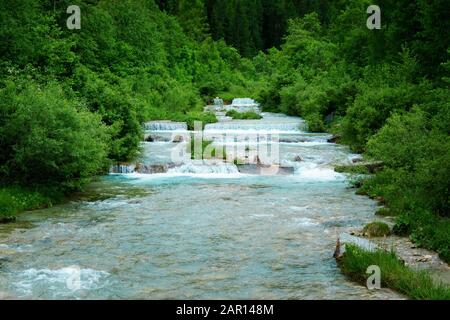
{"type": "Point", "coordinates": [249, 115]}
{"type": "Point", "coordinates": [204, 118]}
{"type": "Point", "coordinates": [426, 230]}
{"type": "Point", "coordinates": [384, 90]}
{"type": "Point", "coordinates": [47, 139]}
{"type": "Point", "coordinates": [413, 178]}
{"type": "Point", "coordinates": [15, 199]}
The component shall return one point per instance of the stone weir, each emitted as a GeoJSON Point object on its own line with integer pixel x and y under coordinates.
{"type": "Point", "coordinates": [165, 126]}
{"type": "Point", "coordinates": [238, 104]}
{"type": "Point", "coordinates": [265, 170]}
{"type": "Point", "coordinates": [142, 168]}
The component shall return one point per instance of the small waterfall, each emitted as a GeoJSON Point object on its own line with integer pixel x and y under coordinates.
{"type": "Point", "coordinates": [165, 126]}
{"type": "Point", "coordinates": [142, 168]}
{"type": "Point", "coordinates": [244, 105]}
{"type": "Point", "coordinates": [239, 102]}
{"type": "Point", "coordinates": [204, 167]}
{"type": "Point", "coordinates": [315, 172]}
{"type": "Point", "coordinates": [123, 168]}
{"type": "Point", "coordinates": [255, 126]}
{"type": "Point", "coordinates": [218, 102]}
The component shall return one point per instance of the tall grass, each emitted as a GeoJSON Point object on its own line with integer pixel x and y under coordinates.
{"type": "Point", "coordinates": [14, 199]}
{"type": "Point", "coordinates": [417, 285]}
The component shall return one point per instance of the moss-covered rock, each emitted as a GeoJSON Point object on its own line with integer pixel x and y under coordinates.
{"type": "Point", "coordinates": [376, 229]}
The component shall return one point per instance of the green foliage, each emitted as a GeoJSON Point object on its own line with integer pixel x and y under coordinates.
{"type": "Point", "coordinates": [417, 154]}
{"type": "Point", "coordinates": [384, 212]}
{"type": "Point", "coordinates": [203, 118]}
{"type": "Point", "coordinates": [129, 63]}
{"type": "Point", "coordinates": [249, 115]}
{"type": "Point", "coordinates": [394, 274]}
{"type": "Point", "coordinates": [308, 81]}
{"type": "Point", "coordinates": [71, 101]}
{"type": "Point", "coordinates": [47, 139]}
{"type": "Point", "coordinates": [384, 89]}
{"type": "Point", "coordinates": [251, 26]}
{"type": "Point", "coordinates": [376, 229]}
{"type": "Point", "coordinates": [426, 230]}
{"type": "Point", "coordinates": [15, 199]}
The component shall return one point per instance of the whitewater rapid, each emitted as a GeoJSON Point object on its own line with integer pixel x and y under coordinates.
{"type": "Point", "coordinates": [197, 229]}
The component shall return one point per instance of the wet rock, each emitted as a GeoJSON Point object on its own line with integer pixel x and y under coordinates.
{"type": "Point", "coordinates": [151, 169]}
{"type": "Point", "coordinates": [337, 252]}
{"type": "Point", "coordinates": [156, 138]}
{"type": "Point", "coordinates": [356, 233]}
{"type": "Point", "coordinates": [425, 258]}
{"type": "Point", "coordinates": [178, 139]}
{"type": "Point", "coordinates": [291, 140]}
{"type": "Point", "coordinates": [154, 168]}
{"type": "Point", "coordinates": [260, 169]}
{"type": "Point", "coordinates": [334, 139]}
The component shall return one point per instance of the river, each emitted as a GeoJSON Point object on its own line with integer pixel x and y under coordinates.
{"type": "Point", "coordinates": [197, 231]}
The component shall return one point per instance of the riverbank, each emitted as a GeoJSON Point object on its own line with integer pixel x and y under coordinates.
{"type": "Point", "coordinates": [418, 285]}
{"type": "Point", "coordinates": [16, 199]}
{"type": "Point", "coordinates": [405, 262]}
{"type": "Point", "coordinates": [424, 228]}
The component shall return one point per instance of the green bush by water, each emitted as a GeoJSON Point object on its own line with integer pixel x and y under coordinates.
{"type": "Point", "coordinates": [394, 274]}
{"type": "Point", "coordinates": [249, 115]}
{"type": "Point", "coordinates": [16, 199]}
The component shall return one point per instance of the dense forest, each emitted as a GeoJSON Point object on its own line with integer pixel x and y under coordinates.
{"type": "Point", "coordinates": [73, 101]}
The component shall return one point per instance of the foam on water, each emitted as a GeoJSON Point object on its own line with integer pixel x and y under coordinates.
{"type": "Point", "coordinates": [316, 172]}
{"type": "Point", "coordinates": [172, 235]}
{"type": "Point", "coordinates": [306, 222]}
{"type": "Point", "coordinates": [205, 169]}
{"type": "Point", "coordinates": [63, 280]}
{"type": "Point", "coordinates": [196, 168]}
